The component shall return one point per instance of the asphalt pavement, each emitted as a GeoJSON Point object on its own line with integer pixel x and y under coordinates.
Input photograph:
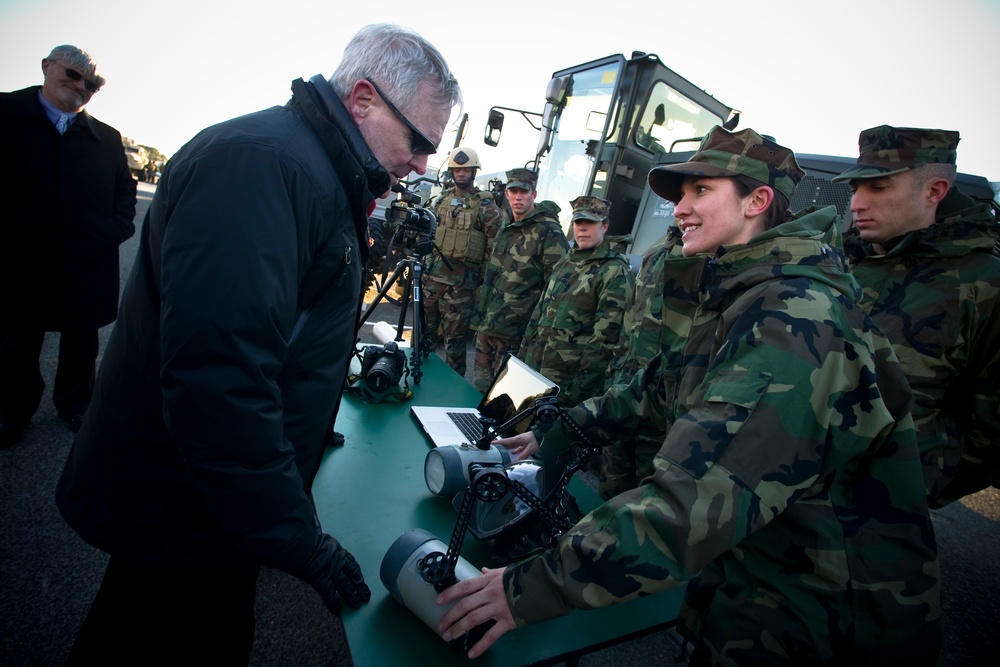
{"type": "Point", "coordinates": [48, 575]}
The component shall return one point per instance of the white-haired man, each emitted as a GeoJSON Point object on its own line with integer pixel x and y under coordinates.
{"type": "Point", "coordinates": [224, 375]}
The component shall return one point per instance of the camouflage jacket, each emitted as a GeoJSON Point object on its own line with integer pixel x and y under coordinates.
{"type": "Point", "coordinates": [788, 490]}
{"type": "Point", "coordinates": [524, 254]}
{"type": "Point", "coordinates": [577, 323]}
{"type": "Point", "coordinates": [643, 321]}
{"type": "Point", "coordinates": [467, 225]}
{"type": "Point", "coordinates": [936, 295]}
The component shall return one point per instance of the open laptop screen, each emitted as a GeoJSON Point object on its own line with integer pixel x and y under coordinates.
{"type": "Point", "coordinates": [514, 389]}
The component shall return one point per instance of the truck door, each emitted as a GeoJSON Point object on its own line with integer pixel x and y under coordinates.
{"type": "Point", "coordinates": [579, 125]}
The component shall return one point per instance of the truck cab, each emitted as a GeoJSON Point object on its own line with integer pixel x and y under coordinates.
{"type": "Point", "coordinates": [607, 122]}
{"type": "Point", "coordinates": [604, 124]}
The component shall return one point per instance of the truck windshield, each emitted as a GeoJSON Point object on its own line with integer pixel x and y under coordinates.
{"type": "Point", "coordinates": [605, 137]}
{"type": "Point", "coordinates": [670, 117]}
{"type": "Point", "coordinates": [566, 170]}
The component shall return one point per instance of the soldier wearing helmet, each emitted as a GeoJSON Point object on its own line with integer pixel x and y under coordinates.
{"type": "Point", "coordinates": [468, 221]}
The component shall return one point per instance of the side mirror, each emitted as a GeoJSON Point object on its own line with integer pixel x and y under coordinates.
{"type": "Point", "coordinates": [555, 90]}
{"type": "Point", "coordinates": [494, 126]}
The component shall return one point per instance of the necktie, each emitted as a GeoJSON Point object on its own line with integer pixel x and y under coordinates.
{"type": "Point", "coordinates": [62, 123]}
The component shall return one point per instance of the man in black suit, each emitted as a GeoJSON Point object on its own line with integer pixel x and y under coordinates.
{"type": "Point", "coordinates": [68, 203]}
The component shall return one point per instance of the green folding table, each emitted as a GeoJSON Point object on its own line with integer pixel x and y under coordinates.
{"type": "Point", "coordinates": [371, 490]}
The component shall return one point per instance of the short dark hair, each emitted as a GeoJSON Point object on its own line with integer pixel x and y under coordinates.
{"type": "Point", "coordinates": [777, 212]}
{"type": "Point", "coordinates": [926, 172]}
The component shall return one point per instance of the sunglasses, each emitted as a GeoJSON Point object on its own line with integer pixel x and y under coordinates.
{"type": "Point", "coordinates": [76, 76]}
{"type": "Point", "coordinates": [419, 143]}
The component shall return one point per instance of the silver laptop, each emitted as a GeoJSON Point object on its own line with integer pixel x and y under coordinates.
{"type": "Point", "coordinates": [513, 389]}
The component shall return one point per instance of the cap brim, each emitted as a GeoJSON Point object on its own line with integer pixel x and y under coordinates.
{"type": "Point", "coordinates": [589, 217]}
{"type": "Point", "coordinates": [862, 171]}
{"type": "Point", "coordinates": [666, 181]}
{"type": "Point", "coordinates": [519, 184]}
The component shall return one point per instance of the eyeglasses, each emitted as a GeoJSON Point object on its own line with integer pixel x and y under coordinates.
{"type": "Point", "coordinates": [419, 143]}
{"type": "Point", "coordinates": [87, 83]}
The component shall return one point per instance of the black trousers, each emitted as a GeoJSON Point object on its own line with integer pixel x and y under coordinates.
{"type": "Point", "coordinates": [21, 383]}
{"type": "Point", "coordinates": [146, 615]}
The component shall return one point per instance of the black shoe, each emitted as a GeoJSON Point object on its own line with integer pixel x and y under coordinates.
{"type": "Point", "coordinates": [73, 420]}
{"type": "Point", "coordinates": [10, 433]}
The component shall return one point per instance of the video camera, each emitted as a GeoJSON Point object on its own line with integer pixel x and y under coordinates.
{"type": "Point", "coordinates": [499, 189]}
{"type": "Point", "coordinates": [416, 225]}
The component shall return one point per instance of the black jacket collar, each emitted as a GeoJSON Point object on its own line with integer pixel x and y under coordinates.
{"type": "Point", "coordinates": [328, 117]}
{"type": "Point", "coordinates": [24, 104]}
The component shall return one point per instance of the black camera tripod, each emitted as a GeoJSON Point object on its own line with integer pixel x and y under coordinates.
{"type": "Point", "coordinates": [414, 235]}
{"type": "Point", "coordinates": [410, 270]}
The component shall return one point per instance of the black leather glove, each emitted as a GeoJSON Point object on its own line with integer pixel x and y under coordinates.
{"type": "Point", "coordinates": [336, 576]}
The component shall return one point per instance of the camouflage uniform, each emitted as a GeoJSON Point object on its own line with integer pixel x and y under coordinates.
{"type": "Point", "coordinates": [524, 254]}
{"type": "Point", "coordinates": [935, 294]}
{"type": "Point", "coordinates": [467, 225]}
{"type": "Point", "coordinates": [782, 479]}
{"type": "Point", "coordinates": [577, 323]}
{"type": "Point", "coordinates": [626, 462]}
{"type": "Point", "coordinates": [787, 491]}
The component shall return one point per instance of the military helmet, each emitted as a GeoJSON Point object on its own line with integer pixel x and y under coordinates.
{"type": "Point", "coordinates": [462, 157]}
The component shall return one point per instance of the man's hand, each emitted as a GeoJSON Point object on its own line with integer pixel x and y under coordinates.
{"type": "Point", "coordinates": [338, 577]}
{"type": "Point", "coordinates": [523, 445]}
{"type": "Point", "coordinates": [483, 599]}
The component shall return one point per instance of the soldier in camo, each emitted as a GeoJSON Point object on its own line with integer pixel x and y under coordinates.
{"type": "Point", "coordinates": [625, 462]}
{"type": "Point", "coordinates": [925, 256]}
{"type": "Point", "coordinates": [525, 251]}
{"type": "Point", "coordinates": [467, 223]}
{"type": "Point", "coordinates": [788, 489]}
{"type": "Point", "coordinates": [577, 323]}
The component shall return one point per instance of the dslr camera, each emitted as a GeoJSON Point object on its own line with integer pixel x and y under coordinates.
{"type": "Point", "coordinates": [382, 365]}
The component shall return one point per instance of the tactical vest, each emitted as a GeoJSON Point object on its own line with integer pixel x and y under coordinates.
{"type": "Point", "coordinates": [460, 234]}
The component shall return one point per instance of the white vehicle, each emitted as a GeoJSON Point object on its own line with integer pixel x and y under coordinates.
{"type": "Point", "coordinates": [137, 158]}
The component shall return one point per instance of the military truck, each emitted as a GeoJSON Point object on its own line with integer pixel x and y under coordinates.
{"type": "Point", "coordinates": [137, 158]}
{"type": "Point", "coordinates": [607, 122]}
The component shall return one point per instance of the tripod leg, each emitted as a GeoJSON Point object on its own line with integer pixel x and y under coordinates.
{"type": "Point", "coordinates": [404, 304]}
{"type": "Point", "coordinates": [382, 292]}
{"type": "Point", "coordinates": [417, 344]}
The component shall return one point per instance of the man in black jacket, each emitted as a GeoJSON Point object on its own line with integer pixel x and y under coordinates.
{"type": "Point", "coordinates": [224, 372]}
{"type": "Point", "coordinates": [69, 201]}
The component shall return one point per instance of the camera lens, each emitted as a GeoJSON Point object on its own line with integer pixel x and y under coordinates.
{"type": "Point", "coordinates": [387, 369]}
{"type": "Point", "coordinates": [384, 374]}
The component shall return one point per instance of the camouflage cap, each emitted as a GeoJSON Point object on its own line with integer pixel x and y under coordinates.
{"type": "Point", "coordinates": [887, 150]}
{"type": "Point", "coordinates": [724, 153]}
{"type": "Point", "coordinates": [522, 178]}
{"type": "Point", "coordinates": [594, 209]}
{"type": "Point", "coordinates": [548, 206]}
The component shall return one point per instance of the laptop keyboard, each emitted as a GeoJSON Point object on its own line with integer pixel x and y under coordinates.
{"type": "Point", "coordinates": [468, 424]}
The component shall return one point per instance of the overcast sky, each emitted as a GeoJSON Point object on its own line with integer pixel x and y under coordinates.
{"type": "Point", "coordinates": [811, 74]}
